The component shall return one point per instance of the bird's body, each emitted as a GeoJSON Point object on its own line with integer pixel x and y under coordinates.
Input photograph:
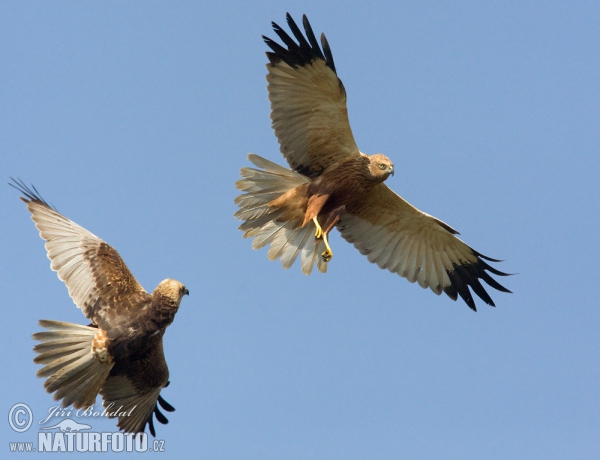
{"type": "Point", "coordinates": [325, 196]}
{"type": "Point", "coordinates": [333, 184]}
{"type": "Point", "coordinates": [120, 354]}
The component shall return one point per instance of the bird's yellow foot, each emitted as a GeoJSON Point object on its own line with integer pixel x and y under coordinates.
{"type": "Point", "coordinates": [327, 254]}
{"type": "Point", "coordinates": [319, 231]}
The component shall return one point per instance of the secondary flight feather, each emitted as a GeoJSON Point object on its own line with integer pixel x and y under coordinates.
{"type": "Point", "coordinates": [333, 184]}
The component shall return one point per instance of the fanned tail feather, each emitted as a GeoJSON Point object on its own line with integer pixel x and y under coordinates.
{"type": "Point", "coordinates": [287, 240]}
{"type": "Point", "coordinates": [71, 369]}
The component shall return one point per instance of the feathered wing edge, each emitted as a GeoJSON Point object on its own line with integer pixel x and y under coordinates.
{"type": "Point", "coordinates": [71, 369]}
{"type": "Point", "coordinates": [287, 240]}
{"type": "Point", "coordinates": [398, 237]}
{"type": "Point", "coordinates": [138, 408]}
{"type": "Point", "coordinates": [308, 101]}
{"type": "Point", "coordinates": [302, 53]}
{"type": "Point", "coordinates": [74, 255]}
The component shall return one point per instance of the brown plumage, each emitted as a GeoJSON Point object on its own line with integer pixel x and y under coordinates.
{"type": "Point", "coordinates": [333, 184]}
{"type": "Point", "coordinates": [120, 354]}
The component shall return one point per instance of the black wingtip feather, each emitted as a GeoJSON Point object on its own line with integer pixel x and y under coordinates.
{"type": "Point", "coordinates": [493, 283]}
{"type": "Point", "coordinates": [160, 417]}
{"type": "Point", "coordinates": [285, 38]}
{"type": "Point", "coordinates": [450, 291]}
{"type": "Point", "coordinates": [491, 269]}
{"type": "Point", "coordinates": [479, 254]}
{"type": "Point", "coordinates": [297, 32]}
{"type": "Point", "coordinates": [30, 192]}
{"type": "Point", "coordinates": [278, 54]}
{"type": "Point", "coordinates": [460, 287]}
{"type": "Point", "coordinates": [302, 53]}
{"type": "Point", "coordinates": [310, 35]}
{"type": "Point", "coordinates": [151, 426]}
{"type": "Point", "coordinates": [327, 51]}
{"type": "Point", "coordinates": [445, 226]}
{"type": "Point", "coordinates": [481, 292]}
{"type": "Point", "coordinates": [165, 405]}
{"type": "Point", "coordinates": [467, 276]}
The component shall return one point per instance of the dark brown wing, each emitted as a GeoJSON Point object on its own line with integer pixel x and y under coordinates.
{"type": "Point", "coordinates": [308, 102]}
{"type": "Point", "coordinates": [398, 237]}
{"type": "Point", "coordinates": [98, 280]}
{"type": "Point", "coordinates": [133, 388]}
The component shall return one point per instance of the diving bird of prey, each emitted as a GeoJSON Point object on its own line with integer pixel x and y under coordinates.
{"type": "Point", "coordinates": [333, 184]}
{"type": "Point", "coordinates": [120, 354]}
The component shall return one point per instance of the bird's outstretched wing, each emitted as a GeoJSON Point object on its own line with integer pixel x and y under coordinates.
{"type": "Point", "coordinates": [308, 101]}
{"type": "Point", "coordinates": [398, 237]}
{"type": "Point", "coordinates": [98, 280]}
{"type": "Point", "coordinates": [135, 388]}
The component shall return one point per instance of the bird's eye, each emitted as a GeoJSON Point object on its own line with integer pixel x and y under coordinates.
{"type": "Point", "coordinates": [382, 166]}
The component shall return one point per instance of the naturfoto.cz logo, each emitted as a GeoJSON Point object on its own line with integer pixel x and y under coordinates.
{"type": "Point", "coordinates": [68, 435]}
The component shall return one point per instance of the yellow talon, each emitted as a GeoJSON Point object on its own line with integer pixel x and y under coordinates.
{"type": "Point", "coordinates": [327, 254]}
{"type": "Point", "coordinates": [319, 231]}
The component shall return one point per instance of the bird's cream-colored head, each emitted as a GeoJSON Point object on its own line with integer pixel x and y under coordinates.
{"type": "Point", "coordinates": [171, 290]}
{"type": "Point", "coordinates": [381, 167]}
{"type": "Point", "coordinates": [165, 301]}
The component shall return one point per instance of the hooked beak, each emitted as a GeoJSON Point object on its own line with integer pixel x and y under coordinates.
{"type": "Point", "coordinates": [186, 292]}
{"type": "Point", "coordinates": [391, 170]}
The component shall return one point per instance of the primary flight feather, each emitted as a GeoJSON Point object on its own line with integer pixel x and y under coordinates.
{"type": "Point", "coordinates": [333, 184]}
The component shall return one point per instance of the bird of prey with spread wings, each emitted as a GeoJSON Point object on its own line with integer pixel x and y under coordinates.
{"type": "Point", "coordinates": [120, 354]}
{"type": "Point", "coordinates": [333, 184]}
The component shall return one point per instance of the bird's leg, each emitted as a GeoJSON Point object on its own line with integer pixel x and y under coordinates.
{"type": "Point", "coordinates": [319, 231]}
{"type": "Point", "coordinates": [327, 254]}
{"type": "Point", "coordinates": [333, 218]}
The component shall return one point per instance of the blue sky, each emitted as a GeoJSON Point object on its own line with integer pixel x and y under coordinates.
{"type": "Point", "coordinates": [133, 119]}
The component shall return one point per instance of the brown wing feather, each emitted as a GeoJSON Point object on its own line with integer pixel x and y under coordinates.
{"type": "Point", "coordinates": [308, 102]}
{"type": "Point", "coordinates": [98, 280]}
{"type": "Point", "coordinates": [398, 237]}
{"type": "Point", "coordinates": [135, 385]}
